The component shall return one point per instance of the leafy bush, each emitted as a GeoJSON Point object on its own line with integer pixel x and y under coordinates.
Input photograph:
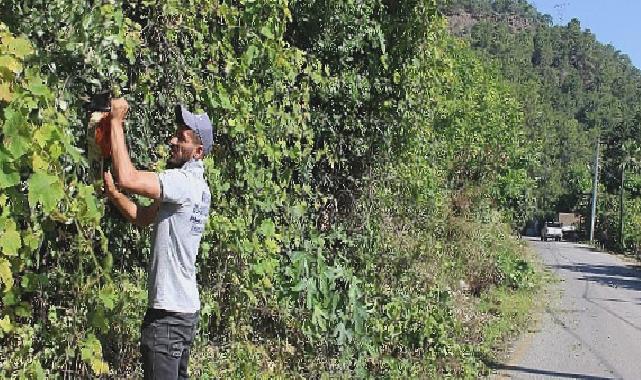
{"type": "Point", "coordinates": [346, 132]}
{"type": "Point", "coordinates": [50, 272]}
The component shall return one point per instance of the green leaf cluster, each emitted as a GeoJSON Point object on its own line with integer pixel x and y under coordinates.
{"type": "Point", "coordinates": [357, 145]}
{"type": "Point", "coordinates": [49, 218]}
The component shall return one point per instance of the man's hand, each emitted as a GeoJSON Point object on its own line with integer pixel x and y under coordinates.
{"type": "Point", "coordinates": [110, 186]}
{"type": "Point", "coordinates": [119, 108]}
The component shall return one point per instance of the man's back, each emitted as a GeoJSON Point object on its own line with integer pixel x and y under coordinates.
{"type": "Point", "coordinates": [178, 228]}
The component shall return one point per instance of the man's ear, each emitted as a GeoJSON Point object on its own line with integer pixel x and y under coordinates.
{"type": "Point", "coordinates": [199, 152]}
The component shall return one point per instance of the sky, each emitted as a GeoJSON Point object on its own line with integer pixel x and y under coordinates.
{"type": "Point", "coordinates": [616, 22]}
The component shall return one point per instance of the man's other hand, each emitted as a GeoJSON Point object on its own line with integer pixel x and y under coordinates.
{"type": "Point", "coordinates": [119, 108]}
{"type": "Point", "coordinates": [110, 186]}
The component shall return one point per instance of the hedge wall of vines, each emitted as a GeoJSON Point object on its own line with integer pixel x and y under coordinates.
{"type": "Point", "coordinates": [340, 128]}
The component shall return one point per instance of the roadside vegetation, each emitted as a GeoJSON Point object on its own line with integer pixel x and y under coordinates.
{"type": "Point", "coordinates": [369, 176]}
{"type": "Point", "coordinates": [575, 91]}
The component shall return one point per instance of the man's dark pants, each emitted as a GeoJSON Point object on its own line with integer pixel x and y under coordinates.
{"type": "Point", "coordinates": [165, 343]}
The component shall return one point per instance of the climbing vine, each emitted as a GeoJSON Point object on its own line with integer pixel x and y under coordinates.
{"type": "Point", "coordinates": [340, 128]}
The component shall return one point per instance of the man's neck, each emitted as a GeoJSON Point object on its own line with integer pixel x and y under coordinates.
{"type": "Point", "coordinates": [171, 165]}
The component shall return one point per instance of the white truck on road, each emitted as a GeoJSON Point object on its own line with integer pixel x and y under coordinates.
{"type": "Point", "coordinates": [552, 230]}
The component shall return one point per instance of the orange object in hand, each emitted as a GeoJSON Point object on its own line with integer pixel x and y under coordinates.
{"type": "Point", "coordinates": [103, 136]}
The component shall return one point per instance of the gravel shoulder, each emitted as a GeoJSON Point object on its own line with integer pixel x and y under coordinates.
{"type": "Point", "coordinates": [590, 327]}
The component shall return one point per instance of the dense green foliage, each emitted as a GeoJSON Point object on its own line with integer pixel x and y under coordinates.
{"type": "Point", "coordinates": [575, 91]}
{"type": "Point", "coordinates": [365, 165]}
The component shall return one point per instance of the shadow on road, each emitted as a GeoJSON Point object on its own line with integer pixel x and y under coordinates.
{"type": "Point", "coordinates": [535, 371]}
{"type": "Point", "coordinates": [626, 277]}
{"type": "Point", "coordinates": [587, 279]}
{"type": "Point", "coordinates": [614, 276]}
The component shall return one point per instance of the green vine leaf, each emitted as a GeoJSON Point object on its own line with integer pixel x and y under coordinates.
{"type": "Point", "coordinates": [9, 177]}
{"type": "Point", "coordinates": [18, 46]}
{"type": "Point", "coordinates": [13, 128]}
{"type": "Point", "coordinates": [5, 323]}
{"type": "Point", "coordinates": [266, 31]}
{"type": "Point", "coordinates": [91, 352]}
{"type": "Point", "coordinates": [5, 92]}
{"type": "Point", "coordinates": [91, 210]}
{"type": "Point", "coordinates": [39, 89]}
{"type": "Point", "coordinates": [10, 64]}
{"type": "Point", "coordinates": [44, 133]}
{"type": "Point", "coordinates": [108, 297]}
{"type": "Point", "coordinates": [6, 277]}
{"type": "Point", "coordinates": [10, 241]}
{"type": "Point", "coordinates": [46, 190]}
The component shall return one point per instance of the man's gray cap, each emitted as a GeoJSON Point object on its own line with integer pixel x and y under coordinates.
{"type": "Point", "coordinates": [199, 123]}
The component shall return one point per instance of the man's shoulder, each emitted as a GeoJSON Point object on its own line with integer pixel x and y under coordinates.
{"type": "Point", "coordinates": [181, 184]}
{"type": "Point", "coordinates": [187, 173]}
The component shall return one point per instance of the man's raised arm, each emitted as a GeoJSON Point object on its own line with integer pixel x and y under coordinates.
{"type": "Point", "coordinates": [136, 214]}
{"type": "Point", "coordinates": [128, 177]}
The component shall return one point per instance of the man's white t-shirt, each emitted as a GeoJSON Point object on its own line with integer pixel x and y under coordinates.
{"type": "Point", "coordinates": [179, 225]}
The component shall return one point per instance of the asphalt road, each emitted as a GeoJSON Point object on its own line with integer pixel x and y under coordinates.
{"type": "Point", "coordinates": [591, 326]}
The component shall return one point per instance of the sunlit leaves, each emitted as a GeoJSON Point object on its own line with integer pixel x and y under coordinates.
{"type": "Point", "coordinates": [10, 63]}
{"type": "Point", "coordinates": [6, 276]}
{"type": "Point", "coordinates": [91, 352]}
{"type": "Point", "coordinates": [10, 240]}
{"type": "Point", "coordinates": [46, 190]}
{"type": "Point", "coordinates": [38, 193]}
{"type": "Point", "coordinates": [89, 204]}
{"type": "Point", "coordinates": [12, 51]}
{"type": "Point", "coordinates": [303, 116]}
{"type": "Point", "coordinates": [5, 323]}
{"type": "Point", "coordinates": [19, 47]}
{"type": "Point", "coordinates": [39, 89]}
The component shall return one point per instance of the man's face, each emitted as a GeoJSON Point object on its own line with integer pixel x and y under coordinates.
{"type": "Point", "coordinates": [183, 147]}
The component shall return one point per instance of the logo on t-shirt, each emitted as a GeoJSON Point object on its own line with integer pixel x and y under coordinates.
{"type": "Point", "coordinates": [199, 214]}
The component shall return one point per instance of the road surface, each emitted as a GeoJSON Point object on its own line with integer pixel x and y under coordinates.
{"type": "Point", "coordinates": [591, 326]}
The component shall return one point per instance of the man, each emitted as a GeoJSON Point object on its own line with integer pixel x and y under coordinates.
{"type": "Point", "coordinates": [179, 211]}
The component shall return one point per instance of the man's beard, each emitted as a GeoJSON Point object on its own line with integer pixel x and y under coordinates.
{"type": "Point", "coordinates": [178, 162]}
{"type": "Point", "coordinates": [175, 163]}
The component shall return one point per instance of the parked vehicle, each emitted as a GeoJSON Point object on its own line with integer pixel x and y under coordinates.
{"type": "Point", "coordinates": [570, 224]}
{"type": "Point", "coordinates": [570, 233]}
{"type": "Point", "coordinates": [552, 230]}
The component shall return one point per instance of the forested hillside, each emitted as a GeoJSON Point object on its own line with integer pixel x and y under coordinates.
{"type": "Point", "coordinates": [575, 91]}
{"type": "Point", "coordinates": [368, 172]}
